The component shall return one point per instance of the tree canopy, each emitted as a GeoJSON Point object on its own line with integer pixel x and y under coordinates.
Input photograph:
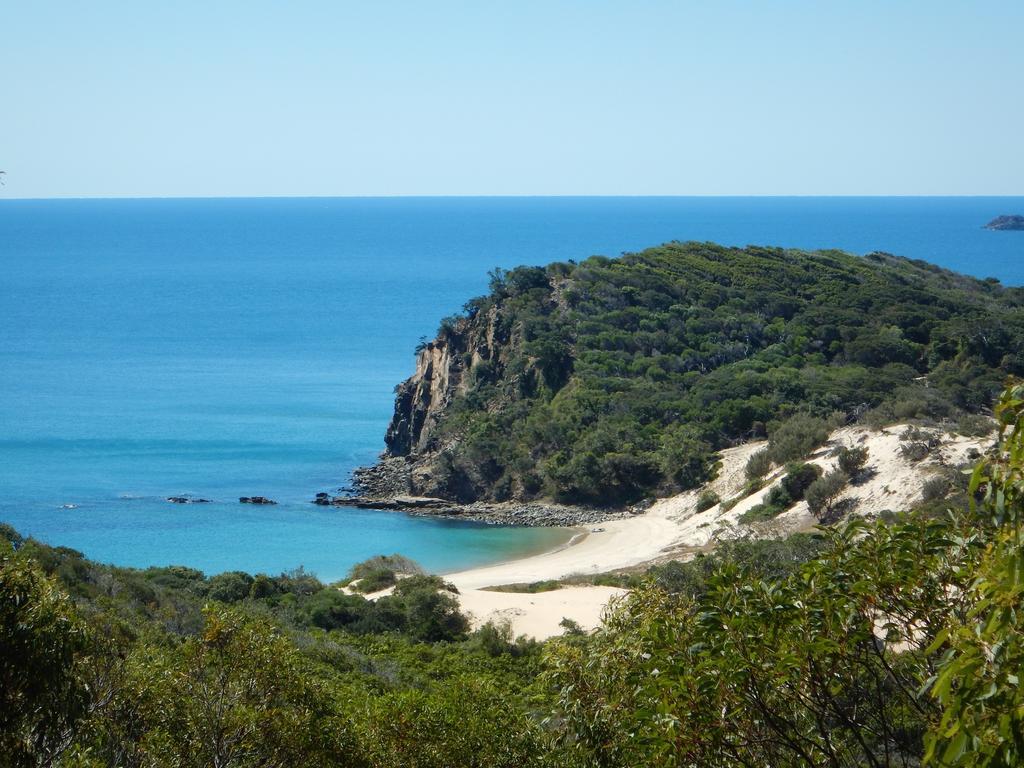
{"type": "Point", "coordinates": [620, 378]}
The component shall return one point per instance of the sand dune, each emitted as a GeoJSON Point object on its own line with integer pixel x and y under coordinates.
{"type": "Point", "coordinates": [673, 527]}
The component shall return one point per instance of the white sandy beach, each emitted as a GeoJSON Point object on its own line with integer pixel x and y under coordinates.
{"type": "Point", "coordinates": [609, 546]}
{"type": "Point", "coordinates": [621, 544]}
{"type": "Point", "coordinates": [673, 525]}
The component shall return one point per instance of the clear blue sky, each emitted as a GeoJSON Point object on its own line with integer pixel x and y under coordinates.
{"type": "Point", "coordinates": [254, 97]}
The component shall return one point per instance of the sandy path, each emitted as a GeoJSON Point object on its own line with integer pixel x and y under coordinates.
{"type": "Point", "coordinates": [538, 615]}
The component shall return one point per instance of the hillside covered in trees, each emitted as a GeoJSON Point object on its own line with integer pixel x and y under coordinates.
{"type": "Point", "coordinates": [611, 380]}
{"type": "Point", "coordinates": [890, 644]}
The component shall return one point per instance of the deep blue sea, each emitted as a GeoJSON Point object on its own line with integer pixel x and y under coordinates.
{"type": "Point", "coordinates": [231, 347]}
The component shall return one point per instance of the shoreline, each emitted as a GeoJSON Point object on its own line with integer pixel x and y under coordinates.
{"type": "Point", "coordinates": [615, 544]}
{"type": "Point", "coordinates": [576, 537]}
{"type": "Point", "coordinates": [669, 528]}
{"type": "Point", "coordinates": [531, 514]}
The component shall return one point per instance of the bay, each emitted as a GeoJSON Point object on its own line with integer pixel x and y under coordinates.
{"type": "Point", "coordinates": [233, 347]}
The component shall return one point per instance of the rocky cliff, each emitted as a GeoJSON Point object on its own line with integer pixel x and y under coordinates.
{"type": "Point", "coordinates": [469, 356]}
{"type": "Point", "coordinates": [612, 381]}
{"type": "Point", "coordinates": [443, 368]}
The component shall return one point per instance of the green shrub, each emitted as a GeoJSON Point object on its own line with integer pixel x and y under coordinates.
{"type": "Point", "coordinates": [977, 680]}
{"type": "Point", "coordinates": [374, 580]}
{"type": "Point", "coordinates": [571, 627]}
{"type": "Point", "coordinates": [908, 409]}
{"type": "Point", "coordinates": [797, 437]}
{"type": "Point", "coordinates": [852, 460]}
{"type": "Point", "coordinates": [332, 609]}
{"type": "Point", "coordinates": [974, 425]}
{"type": "Point", "coordinates": [9, 535]}
{"type": "Point", "coordinates": [915, 450]}
{"type": "Point", "coordinates": [380, 572]}
{"type": "Point", "coordinates": [298, 582]}
{"type": "Point", "coordinates": [824, 492]}
{"type": "Point", "coordinates": [495, 639]}
{"type": "Point", "coordinates": [914, 432]}
{"type": "Point", "coordinates": [799, 478]}
{"type": "Point", "coordinates": [934, 488]}
{"type": "Point", "coordinates": [759, 513]}
{"type": "Point", "coordinates": [779, 497]}
{"type": "Point", "coordinates": [429, 610]}
{"type": "Point", "coordinates": [878, 418]}
{"type": "Point", "coordinates": [43, 642]}
{"type": "Point", "coordinates": [397, 563]}
{"type": "Point", "coordinates": [470, 720]}
{"type": "Point", "coordinates": [229, 587]}
{"type": "Point", "coordinates": [677, 577]}
{"type": "Point", "coordinates": [263, 587]}
{"type": "Point", "coordinates": [531, 587]}
{"type": "Point", "coordinates": [758, 465]}
{"type": "Point", "coordinates": [176, 577]}
{"type": "Point", "coordinates": [707, 500]}
{"type": "Point", "coordinates": [417, 582]}
{"type": "Point", "coordinates": [728, 504]}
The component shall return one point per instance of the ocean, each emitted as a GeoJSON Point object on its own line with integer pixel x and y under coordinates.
{"type": "Point", "coordinates": [237, 347]}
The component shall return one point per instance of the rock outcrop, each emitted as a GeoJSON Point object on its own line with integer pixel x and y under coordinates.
{"type": "Point", "coordinates": [468, 352]}
{"type": "Point", "coordinates": [611, 381]}
{"type": "Point", "coordinates": [1007, 223]}
{"type": "Point", "coordinates": [495, 513]}
{"type": "Point", "coordinates": [465, 347]}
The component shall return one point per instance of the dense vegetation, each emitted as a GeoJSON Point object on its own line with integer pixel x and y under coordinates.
{"type": "Point", "coordinates": [622, 377]}
{"type": "Point", "coordinates": [165, 667]}
{"type": "Point", "coordinates": [893, 643]}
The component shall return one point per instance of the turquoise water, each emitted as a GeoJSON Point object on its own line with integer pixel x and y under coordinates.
{"type": "Point", "coordinates": [237, 347]}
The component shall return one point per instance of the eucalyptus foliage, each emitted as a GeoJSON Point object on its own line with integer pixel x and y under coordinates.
{"type": "Point", "coordinates": [979, 679]}
{"type": "Point", "coordinates": [895, 642]}
{"type": "Point", "coordinates": [898, 643]}
{"type": "Point", "coordinates": [616, 378]}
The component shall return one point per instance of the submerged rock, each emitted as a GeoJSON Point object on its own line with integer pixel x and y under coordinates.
{"type": "Point", "coordinates": [186, 500]}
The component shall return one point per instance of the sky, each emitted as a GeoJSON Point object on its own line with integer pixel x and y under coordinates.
{"type": "Point", "coordinates": [533, 97]}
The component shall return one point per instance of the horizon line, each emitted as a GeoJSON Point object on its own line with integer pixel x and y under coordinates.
{"type": "Point", "coordinates": [494, 196]}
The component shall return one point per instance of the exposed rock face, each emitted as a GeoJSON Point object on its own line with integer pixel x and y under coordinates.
{"type": "Point", "coordinates": [420, 398]}
{"type": "Point", "coordinates": [443, 368]}
{"type": "Point", "coordinates": [467, 352]}
{"type": "Point", "coordinates": [1007, 223]}
{"type": "Point", "coordinates": [388, 478]}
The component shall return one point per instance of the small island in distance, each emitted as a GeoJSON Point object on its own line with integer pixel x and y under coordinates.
{"type": "Point", "coordinates": [1007, 223]}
